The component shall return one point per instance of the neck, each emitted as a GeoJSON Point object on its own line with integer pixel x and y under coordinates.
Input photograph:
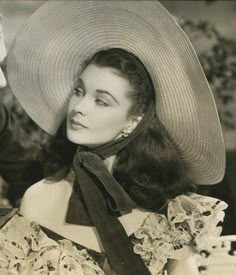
{"type": "Point", "coordinates": [109, 162]}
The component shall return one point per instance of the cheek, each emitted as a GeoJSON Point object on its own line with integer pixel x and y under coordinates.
{"type": "Point", "coordinates": [105, 124]}
{"type": "Point", "coordinates": [70, 106]}
{"type": "Point", "coordinates": [111, 121]}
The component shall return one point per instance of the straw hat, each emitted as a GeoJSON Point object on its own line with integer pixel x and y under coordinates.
{"type": "Point", "coordinates": [51, 46]}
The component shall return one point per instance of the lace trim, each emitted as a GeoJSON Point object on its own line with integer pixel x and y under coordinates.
{"type": "Point", "coordinates": [25, 249]}
{"type": "Point", "coordinates": [190, 226]}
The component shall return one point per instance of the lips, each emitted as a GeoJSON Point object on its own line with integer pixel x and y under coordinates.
{"type": "Point", "coordinates": [76, 123]}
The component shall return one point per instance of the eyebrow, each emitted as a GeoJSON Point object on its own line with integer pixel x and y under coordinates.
{"type": "Point", "coordinates": [106, 92]}
{"type": "Point", "coordinates": [80, 82]}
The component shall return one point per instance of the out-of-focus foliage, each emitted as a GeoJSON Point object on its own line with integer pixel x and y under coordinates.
{"type": "Point", "coordinates": [217, 55]}
{"type": "Point", "coordinates": [35, 132]}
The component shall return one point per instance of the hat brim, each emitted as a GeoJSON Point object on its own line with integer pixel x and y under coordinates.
{"type": "Point", "coordinates": [48, 51]}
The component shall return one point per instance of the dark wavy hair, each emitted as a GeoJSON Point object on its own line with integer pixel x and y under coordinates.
{"type": "Point", "coordinates": [149, 168]}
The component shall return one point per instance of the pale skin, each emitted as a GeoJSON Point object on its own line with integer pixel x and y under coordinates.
{"type": "Point", "coordinates": [101, 106]}
{"type": "Point", "coordinates": [100, 92]}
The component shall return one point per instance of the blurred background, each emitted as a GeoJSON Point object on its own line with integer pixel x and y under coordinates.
{"type": "Point", "coordinates": [210, 26]}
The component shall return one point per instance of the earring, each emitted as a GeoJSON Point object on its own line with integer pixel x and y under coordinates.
{"type": "Point", "coordinates": [127, 131]}
{"type": "Point", "coordinates": [125, 134]}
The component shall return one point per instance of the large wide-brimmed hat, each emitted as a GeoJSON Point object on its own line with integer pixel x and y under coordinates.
{"type": "Point", "coordinates": [49, 49]}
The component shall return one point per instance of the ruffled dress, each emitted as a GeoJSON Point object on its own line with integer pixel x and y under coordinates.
{"type": "Point", "coordinates": [189, 226]}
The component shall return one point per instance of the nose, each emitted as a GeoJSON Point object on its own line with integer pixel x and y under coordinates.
{"type": "Point", "coordinates": [81, 105]}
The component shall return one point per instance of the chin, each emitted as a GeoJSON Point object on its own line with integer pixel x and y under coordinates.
{"type": "Point", "coordinates": [87, 139]}
{"type": "Point", "coordinates": [75, 140]}
{"type": "Point", "coordinates": [73, 137]}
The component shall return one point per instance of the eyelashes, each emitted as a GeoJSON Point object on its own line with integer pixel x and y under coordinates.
{"type": "Point", "coordinates": [101, 102]}
{"type": "Point", "coordinates": [79, 92]}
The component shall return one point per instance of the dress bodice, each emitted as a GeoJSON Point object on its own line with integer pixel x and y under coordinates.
{"type": "Point", "coordinates": [46, 202]}
{"type": "Point", "coordinates": [189, 226]}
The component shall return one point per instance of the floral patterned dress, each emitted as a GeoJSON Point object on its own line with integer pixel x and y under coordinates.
{"type": "Point", "coordinates": [189, 226]}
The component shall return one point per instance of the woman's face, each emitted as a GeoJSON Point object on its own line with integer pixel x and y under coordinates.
{"type": "Point", "coordinates": [98, 109]}
{"type": "Point", "coordinates": [2, 57]}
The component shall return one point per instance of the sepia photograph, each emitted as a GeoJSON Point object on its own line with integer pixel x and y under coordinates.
{"type": "Point", "coordinates": [117, 137]}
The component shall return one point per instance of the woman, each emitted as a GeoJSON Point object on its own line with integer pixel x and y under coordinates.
{"type": "Point", "coordinates": [118, 182]}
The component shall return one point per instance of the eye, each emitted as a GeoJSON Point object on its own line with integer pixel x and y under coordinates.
{"type": "Point", "coordinates": [101, 102]}
{"type": "Point", "coordinates": [78, 91]}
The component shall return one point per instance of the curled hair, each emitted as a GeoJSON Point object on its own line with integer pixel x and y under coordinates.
{"type": "Point", "coordinates": [149, 168]}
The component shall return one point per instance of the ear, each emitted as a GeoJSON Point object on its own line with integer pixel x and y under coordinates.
{"type": "Point", "coordinates": [133, 123]}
